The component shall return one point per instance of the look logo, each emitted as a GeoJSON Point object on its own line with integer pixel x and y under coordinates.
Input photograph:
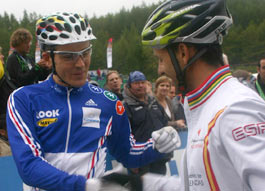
{"type": "Point", "coordinates": [119, 107]}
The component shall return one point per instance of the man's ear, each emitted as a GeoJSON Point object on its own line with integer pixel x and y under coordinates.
{"type": "Point", "coordinates": [185, 52]}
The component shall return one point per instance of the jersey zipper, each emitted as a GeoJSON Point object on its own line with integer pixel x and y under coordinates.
{"type": "Point", "coordinates": [69, 120]}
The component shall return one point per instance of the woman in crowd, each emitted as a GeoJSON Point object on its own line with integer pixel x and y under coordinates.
{"type": "Point", "coordinates": [20, 66]}
{"type": "Point", "coordinates": [162, 88]}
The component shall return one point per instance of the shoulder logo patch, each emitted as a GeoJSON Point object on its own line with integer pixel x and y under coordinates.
{"type": "Point", "coordinates": [119, 108]}
{"type": "Point", "coordinates": [95, 89]}
{"type": "Point", "coordinates": [111, 96]}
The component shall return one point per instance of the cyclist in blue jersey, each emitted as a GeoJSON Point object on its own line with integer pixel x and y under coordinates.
{"type": "Point", "coordinates": [59, 130]}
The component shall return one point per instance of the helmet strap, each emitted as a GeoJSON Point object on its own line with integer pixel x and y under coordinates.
{"type": "Point", "coordinates": [180, 74]}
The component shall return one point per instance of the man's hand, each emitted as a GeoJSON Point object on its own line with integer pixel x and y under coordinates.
{"type": "Point", "coordinates": [166, 139]}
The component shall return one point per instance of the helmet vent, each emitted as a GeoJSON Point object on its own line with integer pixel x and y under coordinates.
{"type": "Point", "coordinates": [43, 35]}
{"type": "Point", "coordinates": [62, 35]}
{"type": "Point", "coordinates": [59, 26]}
{"type": "Point", "coordinates": [60, 18]}
{"type": "Point", "coordinates": [149, 36]}
{"type": "Point", "coordinates": [67, 27]}
{"type": "Point", "coordinates": [76, 16]}
{"type": "Point", "coordinates": [52, 37]}
{"type": "Point", "coordinates": [83, 27]}
{"type": "Point", "coordinates": [210, 29]}
{"type": "Point", "coordinates": [49, 28]}
{"type": "Point", "coordinates": [72, 19]}
{"type": "Point", "coordinates": [77, 29]}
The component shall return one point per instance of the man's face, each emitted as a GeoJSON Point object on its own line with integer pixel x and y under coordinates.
{"type": "Point", "coordinates": [165, 65]}
{"type": "Point", "coordinates": [138, 89]}
{"type": "Point", "coordinates": [261, 70]}
{"type": "Point", "coordinates": [72, 70]}
{"type": "Point", "coordinates": [114, 82]}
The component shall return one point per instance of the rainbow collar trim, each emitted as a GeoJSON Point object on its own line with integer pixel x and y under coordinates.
{"type": "Point", "coordinates": [206, 90]}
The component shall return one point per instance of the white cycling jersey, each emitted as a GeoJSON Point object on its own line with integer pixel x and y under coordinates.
{"type": "Point", "coordinates": [226, 139]}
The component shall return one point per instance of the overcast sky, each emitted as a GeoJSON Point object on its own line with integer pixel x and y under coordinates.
{"type": "Point", "coordinates": [90, 7]}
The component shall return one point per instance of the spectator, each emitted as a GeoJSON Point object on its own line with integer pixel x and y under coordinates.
{"type": "Point", "coordinates": [4, 145]}
{"type": "Point", "coordinates": [225, 150]}
{"type": "Point", "coordinates": [59, 130]}
{"type": "Point", "coordinates": [176, 105]}
{"type": "Point", "coordinates": [145, 115]}
{"type": "Point", "coordinates": [260, 82]}
{"type": "Point", "coordinates": [20, 66]}
{"type": "Point", "coordinates": [162, 89]}
{"type": "Point", "coordinates": [245, 78]}
{"type": "Point", "coordinates": [114, 82]}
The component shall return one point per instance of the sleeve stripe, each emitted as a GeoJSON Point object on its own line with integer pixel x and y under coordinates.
{"type": "Point", "coordinates": [139, 148]}
{"type": "Point", "coordinates": [27, 140]}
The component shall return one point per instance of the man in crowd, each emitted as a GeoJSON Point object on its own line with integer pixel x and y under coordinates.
{"type": "Point", "coordinates": [114, 82]}
{"type": "Point", "coordinates": [226, 120]}
{"type": "Point", "coordinates": [260, 82]}
{"type": "Point", "coordinates": [145, 115]}
{"type": "Point", "coordinates": [59, 129]}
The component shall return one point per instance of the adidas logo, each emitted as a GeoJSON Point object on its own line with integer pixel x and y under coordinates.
{"type": "Point", "coordinates": [91, 103]}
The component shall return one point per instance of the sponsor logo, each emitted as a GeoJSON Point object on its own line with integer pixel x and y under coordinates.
{"type": "Point", "coordinates": [119, 108]}
{"type": "Point", "coordinates": [91, 117]}
{"type": "Point", "coordinates": [95, 89]}
{"type": "Point", "coordinates": [46, 122]}
{"type": "Point", "coordinates": [48, 114]}
{"type": "Point", "coordinates": [241, 133]}
{"type": "Point", "coordinates": [111, 96]}
{"type": "Point", "coordinates": [91, 103]}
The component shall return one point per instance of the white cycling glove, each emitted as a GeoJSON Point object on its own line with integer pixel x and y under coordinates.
{"type": "Point", "coordinates": [166, 139]}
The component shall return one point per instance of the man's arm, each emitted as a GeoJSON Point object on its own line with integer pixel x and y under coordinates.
{"type": "Point", "coordinates": [243, 135]}
{"type": "Point", "coordinates": [27, 151]}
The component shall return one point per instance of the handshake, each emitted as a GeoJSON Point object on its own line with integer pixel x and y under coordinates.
{"type": "Point", "coordinates": [165, 140]}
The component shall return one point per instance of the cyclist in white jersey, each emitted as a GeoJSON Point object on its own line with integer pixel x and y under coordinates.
{"type": "Point", "coordinates": [226, 120]}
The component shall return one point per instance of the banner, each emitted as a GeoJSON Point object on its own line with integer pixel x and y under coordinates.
{"type": "Point", "coordinates": [109, 53]}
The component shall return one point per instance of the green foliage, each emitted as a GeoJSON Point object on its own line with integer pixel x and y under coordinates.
{"type": "Point", "coordinates": [244, 44]}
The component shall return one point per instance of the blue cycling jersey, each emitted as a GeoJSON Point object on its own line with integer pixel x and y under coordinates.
{"type": "Point", "coordinates": [59, 135]}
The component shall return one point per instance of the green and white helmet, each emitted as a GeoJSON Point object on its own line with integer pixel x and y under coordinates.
{"type": "Point", "coordinates": [189, 21]}
{"type": "Point", "coordinates": [63, 28]}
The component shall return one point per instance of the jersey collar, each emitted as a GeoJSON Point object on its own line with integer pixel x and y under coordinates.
{"type": "Point", "coordinates": [62, 89]}
{"type": "Point", "coordinates": [201, 94]}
